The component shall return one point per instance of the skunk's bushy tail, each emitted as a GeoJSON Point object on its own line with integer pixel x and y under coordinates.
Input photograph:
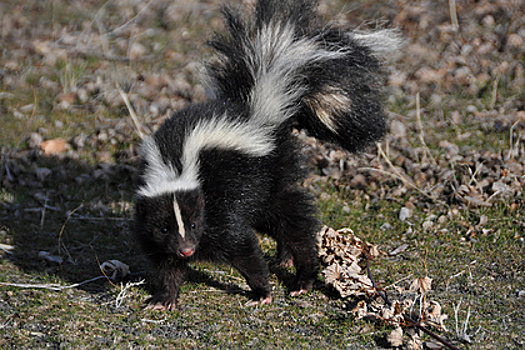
{"type": "Point", "coordinates": [285, 65]}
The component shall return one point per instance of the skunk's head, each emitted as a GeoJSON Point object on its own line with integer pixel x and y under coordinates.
{"type": "Point", "coordinates": [170, 225]}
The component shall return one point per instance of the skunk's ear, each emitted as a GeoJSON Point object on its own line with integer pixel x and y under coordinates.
{"type": "Point", "coordinates": [196, 198]}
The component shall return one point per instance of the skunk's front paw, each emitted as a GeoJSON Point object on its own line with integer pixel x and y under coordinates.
{"type": "Point", "coordinates": [264, 300]}
{"type": "Point", "coordinates": [162, 302]}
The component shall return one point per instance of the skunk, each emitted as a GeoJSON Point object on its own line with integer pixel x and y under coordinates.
{"type": "Point", "coordinates": [217, 172]}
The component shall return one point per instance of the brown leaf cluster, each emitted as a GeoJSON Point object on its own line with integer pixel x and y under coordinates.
{"type": "Point", "coordinates": [342, 252]}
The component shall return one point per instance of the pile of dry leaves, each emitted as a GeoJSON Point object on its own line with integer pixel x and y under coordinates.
{"type": "Point", "coordinates": [347, 258]}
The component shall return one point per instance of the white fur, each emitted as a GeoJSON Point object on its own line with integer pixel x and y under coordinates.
{"type": "Point", "coordinates": [178, 217]}
{"type": "Point", "coordinates": [327, 105]}
{"type": "Point", "coordinates": [278, 56]}
{"type": "Point", "coordinates": [384, 43]}
{"type": "Point", "coordinates": [159, 177]}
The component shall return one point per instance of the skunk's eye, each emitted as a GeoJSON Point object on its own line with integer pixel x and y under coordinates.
{"type": "Point", "coordinates": [193, 225]}
{"type": "Point", "coordinates": [164, 230]}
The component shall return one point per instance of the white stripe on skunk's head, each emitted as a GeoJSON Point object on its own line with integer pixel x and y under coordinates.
{"type": "Point", "coordinates": [178, 217]}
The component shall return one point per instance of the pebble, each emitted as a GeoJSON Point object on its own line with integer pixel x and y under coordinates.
{"type": "Point", "coordinates": [404, 214]}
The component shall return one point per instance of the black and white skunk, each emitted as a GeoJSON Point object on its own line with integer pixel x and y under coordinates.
{"type": "Point", "coordinates": [219, 171]}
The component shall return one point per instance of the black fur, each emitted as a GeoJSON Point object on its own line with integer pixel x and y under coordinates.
{"type": "Point", "coordinates": [334, 93]}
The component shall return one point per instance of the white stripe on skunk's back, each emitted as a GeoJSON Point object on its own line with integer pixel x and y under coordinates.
{"type": "Point", "coordinates": [248, 137]}
{"type": "Point", "coordinates": [278, 57]}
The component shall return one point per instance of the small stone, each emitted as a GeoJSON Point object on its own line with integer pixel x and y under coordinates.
{"type": "Point", "coordinates": [35, 139]}
{"type": "Point", "coordinates": [404, 214]}
{"type": "Point", "coordinates": [385, 227]}
{"type": "Point", "coordinates": [471, 109]}
{"type": "Point", "coordinates": [137, 51]}
{"type": "Point", "coordinates": [55, 146]}
{"type": "Point", "coordinates": [427, 225]}
{"type": "Point", "coordinates": [515, 41]}
{"type": "Point", "coordinates": [398, 129]}
{"type": "Point", "coordinates": [358, 181]}
{"type": "Point", "coordinates": [83, 95]}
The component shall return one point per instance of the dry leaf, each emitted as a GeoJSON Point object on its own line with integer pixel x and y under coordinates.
{"type": "Point", "coordinates": [414, 343]}
{"type": "Point", "coordinates": [435, 317]}
{"type": "Point", "coordinates": [421, 285]}
{"type": "Point", "coordinates": [399, 249]}
{"type": "Point", "coordinates": [332, 273]}
{"type": "Point", "coordinates": [395, 338]}
{"type": "Point", "coordinates": [361, 310]}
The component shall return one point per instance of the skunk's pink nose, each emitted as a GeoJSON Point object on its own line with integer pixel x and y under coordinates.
{"type": "Point", "coordinates": [186, 252]}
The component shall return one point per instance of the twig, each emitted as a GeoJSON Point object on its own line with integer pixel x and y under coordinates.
{"type": "Point", "coordinates": [123, 291]}
{"type": "Point", "coordinates": [396, 282]}
{"type": "Point", "coordinates": [62, 232]}
{"type": "Point", "coordinates": [421, 131]}
{"type": "Point", "coordinates": [7, 248]}
{"type": "Point", "coordinates": [465, 326]}
{"type": "Point", "coordinates": [134, 117]}
{"type": "Point", "coordinates": [429, 332]}
{"type": "Point", "coordinates": [147, 320]}
{"type": "Point", "coordinates": [398, 175]}
{"type": "Point", "coordinates": [456, 311]}
{"type": "Point", "coordinates": [379, 291]}
{"type": "Point", "coordinates": [116, 30]}
{"type": "Point", "coordinates": [462, 333]}
{"type": "Point", "coordinates": [53, 287]}
{"type": "Point", "coordinates": [476, 171]}
{"type": "Point", "coordinates": [8, 171]}
{"type": "Point", "coordinates": [453, 14]}
{"type": "Point", "coordinates": [406, 317]}
{"type": "Point", "coordinates": [92, 218]}
{"type": "Point", "coordinates": [513, 149]}
{"type": "Point", "coordinates": [494, 98]}
{"type": "Point", "coordinates": [43, 217]}
{"type": "Point", "coordinates": [102, 270]}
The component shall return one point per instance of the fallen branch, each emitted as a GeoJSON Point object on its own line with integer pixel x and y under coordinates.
{"type": "Point", "coordinates": [406, 317]}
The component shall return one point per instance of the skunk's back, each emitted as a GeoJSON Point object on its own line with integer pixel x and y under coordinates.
{"type": "Point", "coordinates": [284, 64]}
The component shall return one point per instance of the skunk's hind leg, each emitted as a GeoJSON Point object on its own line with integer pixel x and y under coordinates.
{"type": "Point", "coordinates": [248, 259]}
{"type": "Point", "coordinates": [283, 258]}
{"type": "Point", "coordinates": [291, 221]}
